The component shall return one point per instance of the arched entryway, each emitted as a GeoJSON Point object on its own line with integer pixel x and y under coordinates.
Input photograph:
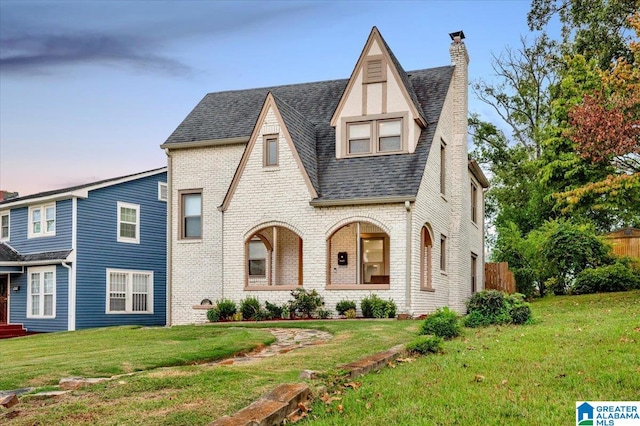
{"type": "Point", "coordinates": [273, 258]}
{"type": "Point", "coordinates": [359, 254]}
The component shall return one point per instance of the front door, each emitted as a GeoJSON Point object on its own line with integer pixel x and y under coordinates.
{"type": "Point", "coordinates": [4, 293]}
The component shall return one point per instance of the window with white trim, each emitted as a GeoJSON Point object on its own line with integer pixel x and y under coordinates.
{"type": "Point", "coordinates": [4, 226]}
{"type": "Point", "coordinates": [41, 292]}
{"type": "Point", "coordinates": [371, 137]}
{"type": "Point", "coordinates": [129, 291]}
{"type": "Point", "coordinates": [163, 191]}
{"type": "Point", "coordinates": [42, 221]}
{"type": "Point", "coordinates": [128, 223]}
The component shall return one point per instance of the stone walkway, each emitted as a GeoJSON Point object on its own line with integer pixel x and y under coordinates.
{"type": "Point", "coordinates": [287, 339]}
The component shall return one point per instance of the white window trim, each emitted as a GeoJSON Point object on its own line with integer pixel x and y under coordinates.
{"type": "Point", "coordinates": [374, 121]}
{"type": "Point", "coordinates": [120, 238]}
{"type": "Point", "coordinates": [129, 292]}
{"type": "Point", "coordinates": [8, 214]}
{"type": "Point", "coordinates": [163, 187]}
{"type": "Point", "coordinates": [43, 221]}
{"type": "Point", "coordinates": [42, 270]}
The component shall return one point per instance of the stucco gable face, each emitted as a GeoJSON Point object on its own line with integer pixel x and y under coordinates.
{"type": "Point", "coordinates": [376, 93]}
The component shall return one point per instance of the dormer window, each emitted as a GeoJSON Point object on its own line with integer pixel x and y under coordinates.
{"type": "Point", "coordinates": [380, 134]}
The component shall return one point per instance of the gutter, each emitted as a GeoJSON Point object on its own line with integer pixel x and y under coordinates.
{"type": "Point", "coordinates": [362, 201]}
{"type": "Point", "coordinates": [205, 143]}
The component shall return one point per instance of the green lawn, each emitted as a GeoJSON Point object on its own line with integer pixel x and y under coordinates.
{"type": "Point", "coordinates": [580, 348]}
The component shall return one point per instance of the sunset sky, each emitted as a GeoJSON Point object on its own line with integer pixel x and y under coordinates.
{"type": "Point", "coordinates": [90, 89]}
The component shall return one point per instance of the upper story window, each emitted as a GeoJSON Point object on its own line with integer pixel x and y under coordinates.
{"type": "Point", "coordinates": [42, 221]}
{"type": "Point", "coordinates": [128, 223]}
{"type": "Point", "coordinates": [191, 214]}
{"type": "Point", "coordinates": [4, 226]}
{"type": "Point", "coordinates": [163, 191]}
{"type": "Point", "coordinates": [474, 202]}
{"type": "Point", "coordinates": [377, 136]}
{"type": "Point", "coordinates": [270, 151]}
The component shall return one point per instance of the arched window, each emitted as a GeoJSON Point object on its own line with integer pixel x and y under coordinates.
{"type": "Point", "coordinates": [426, 249]}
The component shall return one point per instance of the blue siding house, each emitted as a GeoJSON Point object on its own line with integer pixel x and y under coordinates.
{"type": "Point", "coordinates": [91, 255]}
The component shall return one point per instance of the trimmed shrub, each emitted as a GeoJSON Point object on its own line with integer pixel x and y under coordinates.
{"type": "Point", "coordinates": [494, 307]}
{"type": "Point", "coordinates": [344, 305]}
{"type": "Point", "coordinates": [324, 313]}
{"type": "Point", "coordinates": [226, 309]}
{"type": "Point", "coordinates": [442, 323]}
{"type": "Point", "coordinates": [425, 345]}
{"type": "Point", "coordinates": [616, 277]}
{"type": "Point", "coordinates": [213, 315]}
{"type": "Point", "coordinates": [305, 302]}
{"type": "Point", "coordinates": [374, 307]}
{"type": "Point", "coordinates": [275, 311]}
{"type": "Point", "coordinates": [250, 308]}
{"type": "Point", "coordinates": [350, 314]}
{"type": "Point", "coordinates": [519, 309]}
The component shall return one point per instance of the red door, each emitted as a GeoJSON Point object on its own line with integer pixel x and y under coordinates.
{"type": "Point", "coordinates": [4, 292]}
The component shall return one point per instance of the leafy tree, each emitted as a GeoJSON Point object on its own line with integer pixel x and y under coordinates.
{"type": "Point", "coordinates": [596, 29]}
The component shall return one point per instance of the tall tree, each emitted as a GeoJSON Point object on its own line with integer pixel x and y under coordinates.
{"type": "Point", "coordinates": [597, 29]}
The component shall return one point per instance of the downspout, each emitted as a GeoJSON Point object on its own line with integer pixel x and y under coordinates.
{"type": "Point", "coordinates": [222, 255]}
{"type": "Point", "coordinates": [168, 262]}
{"type": "Point", "coordinates": [72, 296]}
{"type": "Point", "coordinates": [407, 206]}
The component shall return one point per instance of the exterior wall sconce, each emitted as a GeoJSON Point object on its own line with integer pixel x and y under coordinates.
{"type": "Point", "coordinates": [15, 288]}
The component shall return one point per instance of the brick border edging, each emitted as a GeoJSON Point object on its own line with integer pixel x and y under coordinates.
{"type": "Point", "coordinates": [274, 407]}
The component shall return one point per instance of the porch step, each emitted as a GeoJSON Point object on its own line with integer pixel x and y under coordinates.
{"type": "Point", "coordinates": [12, 330]}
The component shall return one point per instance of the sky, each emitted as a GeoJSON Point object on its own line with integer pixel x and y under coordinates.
{"type": "Point", "coordinates": [90, 89]}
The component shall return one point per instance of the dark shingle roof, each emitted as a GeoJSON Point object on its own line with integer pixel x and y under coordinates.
{"type": "Point", "coordinates": [233, 114]}
{"type": "Point", "coordinates": [9, 254]}
{"type": "Point", "coordinates": [75, 188]}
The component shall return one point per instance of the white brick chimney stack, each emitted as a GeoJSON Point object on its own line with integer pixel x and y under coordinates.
{"type": "Point", "coordinates": [458, 175]}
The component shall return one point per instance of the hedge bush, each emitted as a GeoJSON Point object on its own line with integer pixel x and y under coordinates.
{"type": "Point", "coordinates": [616, 277]}
{"type": "Point", "coordinates": [250, 308]}
{"type": "Point", "coordinates": [226, 309]}
{"type": "Point", "coordinates": [274, 310]}
{"type": "Point", "coordinates": [442, 323]}
{"type": "Point", "coordinates": [344, 305]}
{"type": "Point", "coordinates": [425, 344]}
{"type": "Point", "coordinates": [374, 307]}
{"type": "Point", "coordinates": [305, 302]}
{"type": "Point", "coordinates": [494, 307]}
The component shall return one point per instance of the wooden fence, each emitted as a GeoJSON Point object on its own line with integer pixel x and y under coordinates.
{"type": "Point", "coordinates": [625, 242]}
{"type": "Point", "coordinates": [497, 276]}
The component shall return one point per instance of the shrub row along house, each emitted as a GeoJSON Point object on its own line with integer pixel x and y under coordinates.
{"type": "Point", "coordinates": [350, 187]}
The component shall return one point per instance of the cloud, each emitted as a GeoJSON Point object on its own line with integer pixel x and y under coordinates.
{"type": "Point", "coordinates": [38, 37]}
{"type": "Point", "coordinates": [38, 53]}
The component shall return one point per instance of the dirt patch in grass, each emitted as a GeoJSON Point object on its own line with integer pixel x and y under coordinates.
{"type": "Point", "coordinates": [170, 372]}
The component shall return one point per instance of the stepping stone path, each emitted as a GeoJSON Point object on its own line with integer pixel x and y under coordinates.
{"type": "Point", "coordinates": [287, 339]}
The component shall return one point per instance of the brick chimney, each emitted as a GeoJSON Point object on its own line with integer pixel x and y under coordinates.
{"type": "Point", "coordinates": [6, 195]}
{"type": "Point", "coordinates": [458, 177]}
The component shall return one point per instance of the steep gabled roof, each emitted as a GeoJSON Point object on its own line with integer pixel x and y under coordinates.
{"type": "Point", "coordinates": [233, 114]}
{"type": "Point", "coordinates": [78, 190]}
{"type": "Point", "coordinates": [303, 136]}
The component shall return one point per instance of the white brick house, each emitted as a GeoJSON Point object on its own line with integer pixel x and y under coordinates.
{"type": "Point", "coordinates": [349, 187]}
